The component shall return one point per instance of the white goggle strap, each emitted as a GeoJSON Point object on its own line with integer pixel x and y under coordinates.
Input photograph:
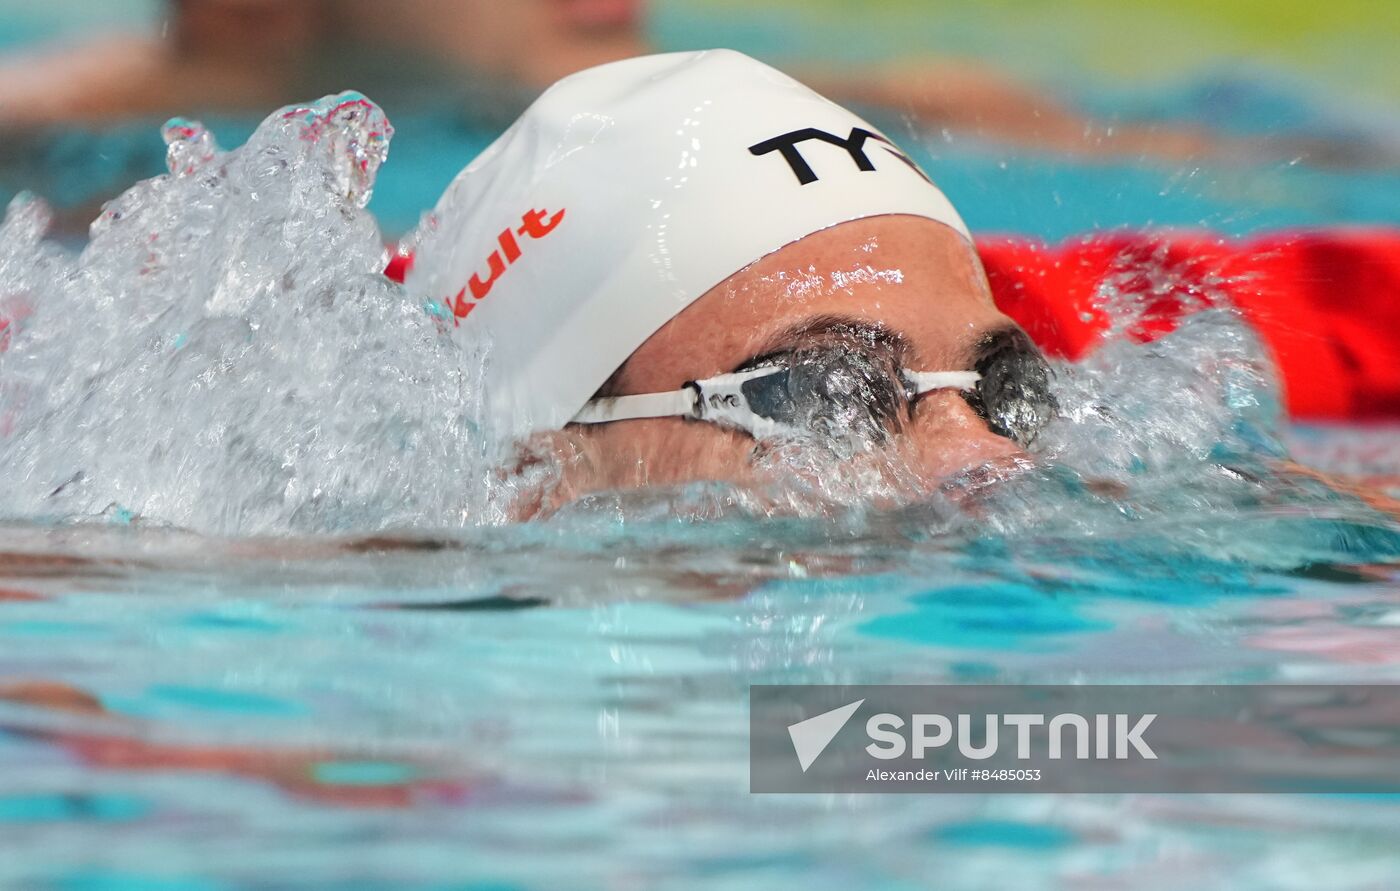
{"type": "Point", "coordinates": [721, 399]}
{"type": "Point", "coordinates": [717, 399]}
{"type": "Point", "coordinates": [649, 405]}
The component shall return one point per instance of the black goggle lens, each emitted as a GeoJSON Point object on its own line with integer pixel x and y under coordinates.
{"type": "Point", "coordinates": [830, 392]}
{"type": "Point", "coordinates": [1014, 394]}
{"type": "Point", "coordinates": [842, 391]}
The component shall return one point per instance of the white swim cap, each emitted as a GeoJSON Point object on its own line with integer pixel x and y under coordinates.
{"type": "Point", "coordinates": [624, 193]}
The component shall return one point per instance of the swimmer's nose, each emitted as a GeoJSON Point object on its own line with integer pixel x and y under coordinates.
{"type": "Point", "coordinates": [946, 437]}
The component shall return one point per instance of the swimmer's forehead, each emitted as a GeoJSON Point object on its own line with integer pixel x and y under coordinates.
{"type": "Point", "coordinates": [837, 331]}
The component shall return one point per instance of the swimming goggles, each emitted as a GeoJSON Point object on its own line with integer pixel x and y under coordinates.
{"type": "Point", "coordinates": [767, 401]}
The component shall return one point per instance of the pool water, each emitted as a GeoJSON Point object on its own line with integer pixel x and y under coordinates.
{"type": "Point", "coordinates": [238, 655]}
{"type": "Point", "coordinates": [998, 188]}
{"type": "Point", "coordinates": [564, 704]}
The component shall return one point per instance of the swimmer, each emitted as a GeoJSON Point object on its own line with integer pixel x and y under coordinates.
{"type": "Point", "coordinates": [679, 261]}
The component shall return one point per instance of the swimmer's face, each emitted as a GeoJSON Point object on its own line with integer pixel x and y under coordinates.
{"type": "Point", "coordinates": [862, 299]}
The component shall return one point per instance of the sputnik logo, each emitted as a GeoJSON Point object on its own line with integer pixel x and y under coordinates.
{"type": "Point", "coordinates": [811, 737]}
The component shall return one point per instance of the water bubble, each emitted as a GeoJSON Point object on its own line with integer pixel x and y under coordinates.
{"type": "Point", "coordinates": [190, 148]}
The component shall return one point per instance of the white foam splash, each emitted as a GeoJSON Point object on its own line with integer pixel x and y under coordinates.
{"type": "Point", "coordinates": [225, 353]}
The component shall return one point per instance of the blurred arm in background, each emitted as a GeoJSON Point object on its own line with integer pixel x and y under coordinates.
{"type": "Point", "coordinates": [254, 55]}
{"type": "Point", "coordinates": [213, 55]}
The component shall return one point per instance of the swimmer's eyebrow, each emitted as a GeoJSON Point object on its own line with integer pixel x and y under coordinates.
{"type": "Point", "coordinates": [982, 346]}
{"type": "Point", "coordinates": [826, 328]}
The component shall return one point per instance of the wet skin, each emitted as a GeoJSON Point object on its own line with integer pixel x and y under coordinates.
{"type": "Point", "coordinates": [913, 279]}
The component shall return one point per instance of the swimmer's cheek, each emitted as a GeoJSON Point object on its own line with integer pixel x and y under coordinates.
{"type": "Point", "coordinates": [551, 470]}
{"type": "Point", "coordinates": [946, 438]}
{"type": "Point", "coordinates": [669, 452]}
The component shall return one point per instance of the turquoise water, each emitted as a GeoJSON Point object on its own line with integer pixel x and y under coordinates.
{"type": "Point", "coordinates": [998, 188]}
{"type": "Point", "coordinates": [563, 704]}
